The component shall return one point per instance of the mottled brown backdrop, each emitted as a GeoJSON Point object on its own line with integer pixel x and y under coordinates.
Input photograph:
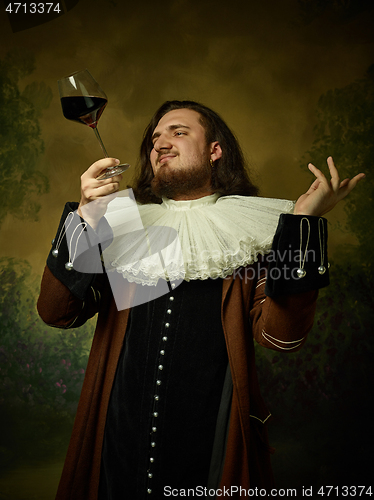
{"type": "Point", "coordinates": [262, 65]}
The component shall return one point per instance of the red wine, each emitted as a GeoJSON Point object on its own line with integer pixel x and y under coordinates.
{"type": "Point", "coordinates": [83, 109]}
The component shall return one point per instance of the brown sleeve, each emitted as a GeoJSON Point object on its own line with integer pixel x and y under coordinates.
{"type": "Point", "coordinates": [282, 323]}
{"type": "Point", "coordinates": [58, 307]}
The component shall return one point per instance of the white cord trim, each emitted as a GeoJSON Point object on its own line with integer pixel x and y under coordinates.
{"type": "Point", "coordinates": [75, 319]}
{"type": "Point", "coordinates": [262, 421]}
{"type": "Point", "coordinates": [94, 293]}
{"type": "Point", "coordinates": [283, 348]}
{"type": "Point", "coordinates": [266, 335]}
{"type": "Point", "coordinates": [260, 282]}
{"type": "Point", "coordinates": [282, 341]}
{"type": "Point", "coordinates": [83, 225]}
{"type": "Point", "coordinates": [64, 229]}
{"type": "Point", "coordinates": [262, 301]}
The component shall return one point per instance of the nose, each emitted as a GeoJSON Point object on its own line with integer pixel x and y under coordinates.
{"type": "Point", "coordinates": [162, 142]}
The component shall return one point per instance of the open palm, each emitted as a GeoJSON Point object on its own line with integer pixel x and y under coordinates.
{"type": "Point", "coordinates": [323, 195]}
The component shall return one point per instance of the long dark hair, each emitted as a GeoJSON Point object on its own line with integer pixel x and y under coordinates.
{"type": "Point", "coordinates": [229, 175]}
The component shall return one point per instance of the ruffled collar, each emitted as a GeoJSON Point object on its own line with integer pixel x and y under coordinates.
{"type": "Point", "coordinates": [191, 239]}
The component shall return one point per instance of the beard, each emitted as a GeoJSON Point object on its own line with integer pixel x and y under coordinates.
{"type": "Point", "coordinates": [171, 183]}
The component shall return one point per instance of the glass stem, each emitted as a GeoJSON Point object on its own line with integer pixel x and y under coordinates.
{"type": "Point", "coordinates": [101, 142]}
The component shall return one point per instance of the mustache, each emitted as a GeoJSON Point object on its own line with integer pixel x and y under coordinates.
{"type": "Point", "coordinates": [160, 154]}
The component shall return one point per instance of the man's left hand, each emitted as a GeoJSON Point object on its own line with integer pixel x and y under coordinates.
{"type": "Point", "coordinates": [322, 196]}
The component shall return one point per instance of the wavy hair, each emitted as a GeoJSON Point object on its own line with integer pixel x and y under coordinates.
{"type": "Point", "coordinates": [229, 175]}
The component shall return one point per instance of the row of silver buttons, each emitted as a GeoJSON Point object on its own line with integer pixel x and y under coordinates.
{"type": "Point", "coordinates": [156, 398]}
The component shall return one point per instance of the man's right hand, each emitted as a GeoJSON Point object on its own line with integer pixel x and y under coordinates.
{"type": "Point", "coordinates": [101, 192]}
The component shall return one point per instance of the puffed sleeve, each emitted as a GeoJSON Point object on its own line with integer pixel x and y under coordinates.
{"type": "Point", "coordinates": [74, 279]}
{"type": "Point", "coordinates": [286, 291]}
{"type": "Point", "coordinates": [75, 256]}
{"type": "Point", "coordinates": [298, 260]}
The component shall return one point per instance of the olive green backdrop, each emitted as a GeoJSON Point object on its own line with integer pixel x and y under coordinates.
{"type": "Point", "coordinates": [295, 81]}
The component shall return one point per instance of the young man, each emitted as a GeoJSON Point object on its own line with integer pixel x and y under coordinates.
{"type": "Point", "coordinates": [170, 400]}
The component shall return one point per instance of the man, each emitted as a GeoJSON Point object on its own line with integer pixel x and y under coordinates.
{"type": "Point", "coordinates": [175, 404]}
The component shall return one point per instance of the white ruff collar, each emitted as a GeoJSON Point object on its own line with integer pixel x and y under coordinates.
{"type": "Point", "coordinates": [196, 239]}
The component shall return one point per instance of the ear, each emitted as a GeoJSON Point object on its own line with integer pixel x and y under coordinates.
{"type": "Point", "coordinates": [215, 151]}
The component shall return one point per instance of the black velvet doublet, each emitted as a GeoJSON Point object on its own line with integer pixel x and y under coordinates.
{"type": "Point", "coordinates": [164, 403]}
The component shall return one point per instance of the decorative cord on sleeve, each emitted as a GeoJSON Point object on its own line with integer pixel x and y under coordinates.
{"type": "Point", "coordinates": [96, 295]}
{"type": "Point", "coordinates": [69, 265]}
{"type": "Point", "coordinates": [321, 235]}
{"type": "Point", "coordinates": [297, 342]}
{"type": "Point", "coordinates": [260, 282]}
{"type": "Point", "coordinates": [262, 421]}
{"type": "Point", "coordinates": [62, 234]}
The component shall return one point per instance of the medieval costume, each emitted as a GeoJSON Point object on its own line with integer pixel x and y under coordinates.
{"type": "Point", "coordinates": [171, 397]}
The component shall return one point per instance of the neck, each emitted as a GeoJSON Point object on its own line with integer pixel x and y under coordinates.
{"type": "Point", "coordinates": [195, 195]}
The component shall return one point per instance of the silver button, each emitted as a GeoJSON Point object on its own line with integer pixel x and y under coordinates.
{"type": "Point", "coordinates": [162, 353]}
{"type": "Point", "coordinates": [154, 429]}
{"type": "Point", "coordinates": [152, 460]}
{"type": "Point", "coordinates": [173, 285]}
{"type": "Point", "coordinates": [160, 367]}
{"type": "Point", "coordinates": [157, 397]}
{"type": "Point", "coordinates": [149, 491]}
{"type": "Point", "coordinates": [153, 444]}
{"type": "Point", "coordinates": [158, 382]}
{"type": "Point", "coordinates": [169, 311]}
{"type": "Point", "coordinates": [150, 475]}
{"type": "Point", "coordinates": [155, 414]}
{"type": "Point", "coordinates": [171, 298]}
{"type": "Point", "coordinates": [167, 325]}
{"type": "Point", "coordinates": [164, 339]}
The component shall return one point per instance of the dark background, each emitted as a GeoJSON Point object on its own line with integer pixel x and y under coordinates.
{"type": "Point", "coordinates": [294, 80]}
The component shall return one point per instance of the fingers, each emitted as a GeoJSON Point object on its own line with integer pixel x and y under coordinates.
{"type": "Point", "coordinates": [347, 185]}
{"type": "Point", "coordinates": [323, 195]}
{"type": "Point", "coordinates": [95, 169]}
{"type": "Point", "coordinates": [344, 183]}
{"type": "Point", "coordinates": [96, 189]}
{"type": "Point", "coordinates": [316, 171]}
{"type": "Point", "coordinates": [100, 191]}
{"type": "Point", "coordinates": [313, 186]}
{"type": "Point", "coordinates": [358, 177]}
{"type": "Point", "coordinates": [107, 182]}
{"type": "Point", "coordinates": [335, 180]}
{"type": "Point", "coordinates": [92, 188]}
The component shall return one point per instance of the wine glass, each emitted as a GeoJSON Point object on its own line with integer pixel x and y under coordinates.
{"type": "Point", "coordinates": [83, 101]}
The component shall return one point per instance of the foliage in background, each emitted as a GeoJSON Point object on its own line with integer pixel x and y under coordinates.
{"type": "Point", "coordinates": [345, 130]}
{"type": "Point", "coordinates": [41, 371]}
{"type": "Point", "coordinates": [322, 396]}
{"type": "Point", "coordinates": [20, 137]}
